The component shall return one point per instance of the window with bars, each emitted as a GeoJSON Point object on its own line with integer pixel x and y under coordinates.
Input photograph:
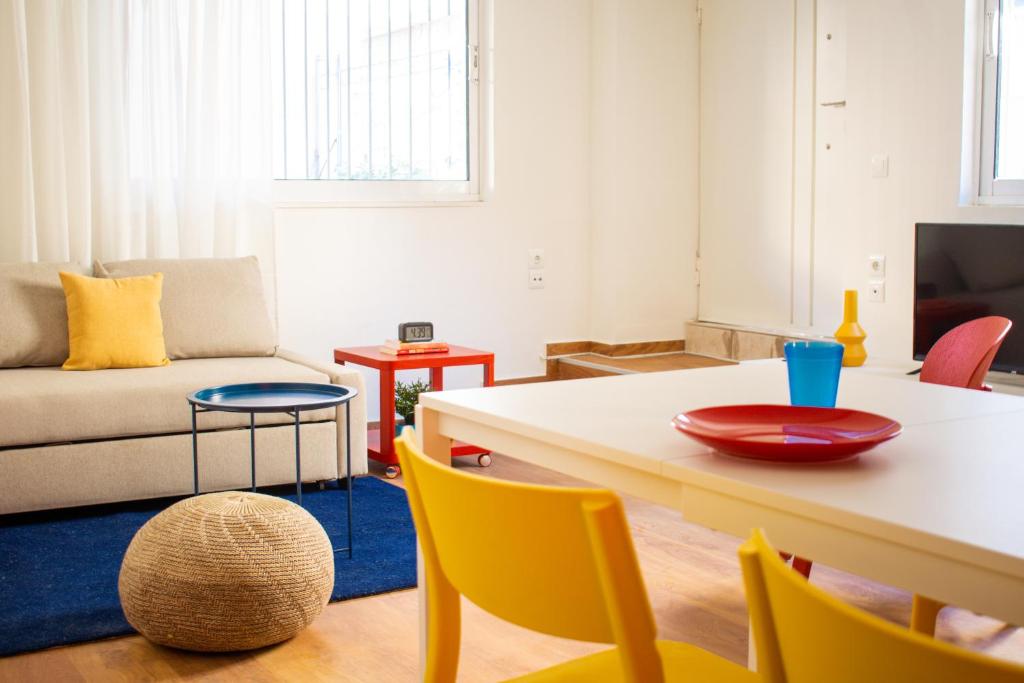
{"type": "Point", "coordinates": [375, 90]}
{"type": "Point", "coordinates": [1002, 107]}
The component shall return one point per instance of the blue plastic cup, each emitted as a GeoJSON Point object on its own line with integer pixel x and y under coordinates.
{"type": "Point", "coordinates": [813, 372]}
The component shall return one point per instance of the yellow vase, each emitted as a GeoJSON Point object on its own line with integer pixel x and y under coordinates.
{"type": "Point", "coordinates": [850, 334]}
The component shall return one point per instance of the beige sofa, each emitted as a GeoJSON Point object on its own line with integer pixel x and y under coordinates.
{"type": "Point", "coordinates": [76, 438]}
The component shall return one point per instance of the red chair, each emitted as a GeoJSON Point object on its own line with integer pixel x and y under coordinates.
{"type": "Point", "coordinates": [961, 358]}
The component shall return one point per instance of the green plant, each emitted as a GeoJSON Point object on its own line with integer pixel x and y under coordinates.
{"type": "Point", "coordinates": [407, 395]}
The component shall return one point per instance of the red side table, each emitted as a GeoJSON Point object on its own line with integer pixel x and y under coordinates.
{"type": "Point", "coordinates": [383, 449]}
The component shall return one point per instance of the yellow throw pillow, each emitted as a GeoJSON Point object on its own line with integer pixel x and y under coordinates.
{"type": "Point", "coordinates": [114, 323]}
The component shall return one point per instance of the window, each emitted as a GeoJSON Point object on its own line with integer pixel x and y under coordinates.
{"type": "Point", "coordinates": [1002, 134]}
{"type": "Point", "coordinates": [377, 90]}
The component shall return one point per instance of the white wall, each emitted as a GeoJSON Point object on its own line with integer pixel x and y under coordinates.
{"type": "Point", "coordinates": [348, 276]}
{"type": "Point", "coordinates": [904, 85]}
{"type": "Point", "coordinates": [644, 129]}
{"type": "Point", "coordinates": [747, 135]}
{"type": "Point", "coordinates": [905, 74]}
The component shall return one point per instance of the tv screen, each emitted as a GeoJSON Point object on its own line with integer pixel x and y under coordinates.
{"type": "Point", "coordinates": [967, 271]}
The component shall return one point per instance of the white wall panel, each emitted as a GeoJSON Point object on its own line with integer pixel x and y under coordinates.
{"type": "Point", "coordinates": [643, 169]}
{"type": "Point", "coordinates": [831, 228]}
{"type": "Point", "coordinates": [747, 161]}
{"type": "Point", "coordinates": [900, 67]}
{"type": "Point", "coordinates": [804, 118]}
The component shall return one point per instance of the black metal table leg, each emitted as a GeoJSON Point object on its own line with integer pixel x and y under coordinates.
{"type": "Point", "coordinates": [209, 399]}
{"type": "Point", "coordinates": [348, 470]}
{"type": "Point", "coordinates": [195, 453]}
{"type": "Point", "coordinates": [252, 446]}
{"type": "Point", "coordinates": [298, 461]}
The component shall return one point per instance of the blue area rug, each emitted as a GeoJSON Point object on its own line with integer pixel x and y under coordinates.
{"type": "Point", "coordinates": [58, 569]}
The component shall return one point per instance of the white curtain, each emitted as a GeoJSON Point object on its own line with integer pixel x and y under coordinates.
{"type": "Point", "coordinates": [134, 128]}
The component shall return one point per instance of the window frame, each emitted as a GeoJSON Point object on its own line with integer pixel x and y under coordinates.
{"type": "Point", "coordinates": [339, 192]}
{"type": "Point", "coordinates": [992, 190]}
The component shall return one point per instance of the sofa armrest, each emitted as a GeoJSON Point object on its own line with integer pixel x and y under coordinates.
{"type": "Point", "coordinates": [339, 374]}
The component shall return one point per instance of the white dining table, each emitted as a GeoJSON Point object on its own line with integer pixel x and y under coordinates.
{"type": "Point", "coordinates": [939, 510]}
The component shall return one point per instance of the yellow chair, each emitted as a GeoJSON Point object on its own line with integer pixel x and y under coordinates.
{"type": "Point", "coordinates": [804, 635]}
{"type": "Point", "coordinates": [555, 560]}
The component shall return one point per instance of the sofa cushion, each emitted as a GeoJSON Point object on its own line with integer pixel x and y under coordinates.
{"type": "Point", "coordinates": [212, 308]}
{"type": "Point", "coordinates": [47, 405]}
{"type": "Point", "coordinates": [114, 323]}
{"type": "Point", "coordinates": [33, 314]}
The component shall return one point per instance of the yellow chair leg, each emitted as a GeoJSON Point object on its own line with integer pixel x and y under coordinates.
{"type": "Point", "coordinates": [924, 614]}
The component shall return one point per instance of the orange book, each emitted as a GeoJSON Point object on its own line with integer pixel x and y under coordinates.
{"type": "Point", "coordinates": [411, 352]}
{"type": "Point", "coordinates": [403, 346]}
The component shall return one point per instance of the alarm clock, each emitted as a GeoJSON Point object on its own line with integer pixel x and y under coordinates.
{"type": "Point", "coordinates": [415, 332]}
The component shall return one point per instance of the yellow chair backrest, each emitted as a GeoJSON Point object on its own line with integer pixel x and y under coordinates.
{"type": "Point", "coordinates": [804, 635]}
{"type": "Point", "coordinates": [551, 559]}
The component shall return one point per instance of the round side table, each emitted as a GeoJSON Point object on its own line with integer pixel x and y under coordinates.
{"type": "Point", "coordinates": [292, 398]}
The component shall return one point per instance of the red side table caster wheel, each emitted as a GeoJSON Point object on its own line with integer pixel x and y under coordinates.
{"type": "Point", "coordinates": [484, 460]}
{"type": "Point", "coordinates": [392, 471]}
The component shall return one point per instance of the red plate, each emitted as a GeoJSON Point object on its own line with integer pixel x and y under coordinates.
{"type": "Point", "coordinates": [787, 433]}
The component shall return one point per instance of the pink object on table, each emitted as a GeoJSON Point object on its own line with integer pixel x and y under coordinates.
{"type": "Point", "coordinates": [963, 356]}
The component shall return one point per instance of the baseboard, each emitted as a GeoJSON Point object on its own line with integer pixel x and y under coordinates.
{"type": "Point", "coordinates": [520, 380]}
{"type": "Point", "coordinates": [556, 350]}
{"type": "Point", "coordinates": [615, 350]}
{"type": "Point", "coordinates": [733, 342]}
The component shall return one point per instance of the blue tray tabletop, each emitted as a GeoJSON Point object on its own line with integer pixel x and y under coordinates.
{"type": "Point", "coordinates": [268, 397]}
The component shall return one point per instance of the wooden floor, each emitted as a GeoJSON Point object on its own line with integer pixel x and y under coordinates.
{"type": "Point", "coordinates": [692, 576]}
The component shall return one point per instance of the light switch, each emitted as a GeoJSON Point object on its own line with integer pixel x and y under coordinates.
{"type": "Point", "coordinates": [880, 166]}
{"type": "Point", "coordinates": [876, 265]}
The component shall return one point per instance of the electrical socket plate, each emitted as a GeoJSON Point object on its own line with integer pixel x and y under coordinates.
{"type": "Point", "coordinates": [536, 258]}
{"type": "Point", "coordinates": [536, 278]}
{"type": "Point", "coordinates": [876, 265]}
{"type": "Point", "coordinates": [876, 291]}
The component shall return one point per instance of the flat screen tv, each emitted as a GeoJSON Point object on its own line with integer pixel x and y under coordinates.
{"type": "Point", "coordinates": [966, 271]}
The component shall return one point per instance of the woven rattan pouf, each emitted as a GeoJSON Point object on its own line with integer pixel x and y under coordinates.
{"type": "Point", "coordinates": [226, 571]}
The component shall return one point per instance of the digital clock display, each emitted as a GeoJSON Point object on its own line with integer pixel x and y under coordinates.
{"type": "Point", "coordinates": [416, 332]}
